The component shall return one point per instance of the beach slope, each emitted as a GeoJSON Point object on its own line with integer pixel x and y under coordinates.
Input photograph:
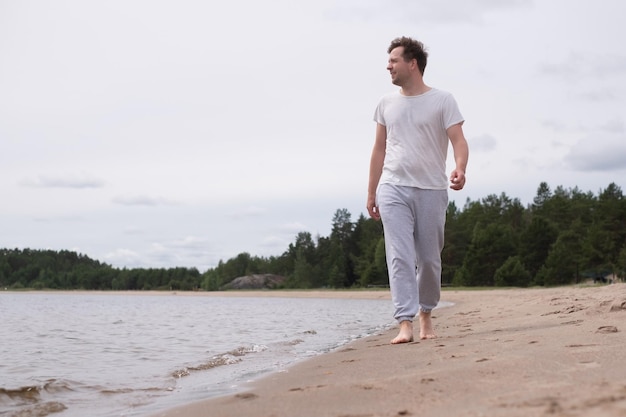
{"type": "Point", "coordinates": [514, 352]}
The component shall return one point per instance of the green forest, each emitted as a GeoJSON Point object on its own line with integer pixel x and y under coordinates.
{"type": "Point", "coordinates": [564, 236]}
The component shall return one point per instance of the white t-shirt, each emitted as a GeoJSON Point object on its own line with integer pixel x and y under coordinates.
{"type": "Point", "coordinates": [417, 142]}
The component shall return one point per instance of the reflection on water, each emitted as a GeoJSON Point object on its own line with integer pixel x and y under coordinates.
{"type": "Point", "coordinates": [99, 354]}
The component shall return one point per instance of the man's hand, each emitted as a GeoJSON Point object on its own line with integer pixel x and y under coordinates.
{"type": "Point", "coordinates": [461, 153]}
{"type": "Point", "coordinates": [372, 208]}
{"type": "Point", "coordinates": [457, 179]}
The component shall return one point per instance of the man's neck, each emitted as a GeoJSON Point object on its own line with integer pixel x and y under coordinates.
{"type": "Point", "coordinates": [415, 89]}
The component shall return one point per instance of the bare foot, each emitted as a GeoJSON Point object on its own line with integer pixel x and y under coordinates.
{"type": "Point", "coordinates": [426, 326]}
{"type": "Point", "coordinates": [406, 333]}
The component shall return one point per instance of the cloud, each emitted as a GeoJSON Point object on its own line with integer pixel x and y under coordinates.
{"type": "Point", "coordinates": [189, 251]}
{"type": "Point", "coordinates": [591, 77]}
{"type": "Point", "coordinates": [483, 143]}
{"type": "Point", "coordinates": [142, 200]}
{"type": "Point", "coordinates": [557, 125]}
{"type": "Point", "coordinates": [77, 181]}
{"type": "Point", "coordinates": [609, 65]}
{"type": "Point", "coordinates": [599, 95]}
{"type": "Point", "coordinates": [578, 65]}
{"type": "Point", "coordinates": [246, 212]}
{"type": "Point", "coordinates": [598, 153]}
{"type": "Point", "coordinates": [287, 232]}
{"type": "Point", "coordinates": [425, 11]}
{"type": "Point", "coordinates": [190, 242]}
{"type": "Point", "coordinates": [132, 231]}
{"type": "Point", "coordinates": [293, 228]}
{"type": "Point", "coordinates": [56, 219]}
{"type": "Point", "coordinates": [275, 242]}
{"type": "Point", "coordinates": [124, 257]}
{"type": "Point", "coordinates": [614, 126]}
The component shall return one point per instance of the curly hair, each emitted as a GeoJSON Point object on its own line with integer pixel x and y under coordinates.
{"type": "Point", "coordinates": [413, 49]}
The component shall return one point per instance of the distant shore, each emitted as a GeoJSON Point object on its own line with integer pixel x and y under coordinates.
{"type": "Point", "coordinates": [502, 352]}
{"type": "Point", "coordinates": [365, 294]}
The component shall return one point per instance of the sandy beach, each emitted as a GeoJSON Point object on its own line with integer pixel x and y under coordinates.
{"type": "Point", "coordinates": [513, 352]}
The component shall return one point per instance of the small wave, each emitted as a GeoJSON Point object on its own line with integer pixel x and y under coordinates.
{"type": "Point", "coordinates": [293, 342]}
{"type": "Point", "coordinates": [229, 358]}
{"type": "Point", "coordinates": [244, 350]}
{"type": "Point", "coordinates": [27, 400]}
{"type": "Point", "coordinates": [33, 392]}
{"type": "Point", "coordinates": [118, 391]}
{"type": "Point", "coordinates": [41, 410]}
{"type": "Point", "coordinates": [24, 393]}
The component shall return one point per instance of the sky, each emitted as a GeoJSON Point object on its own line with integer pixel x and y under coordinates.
{"type": "Point", "coordinates": [161, 133]}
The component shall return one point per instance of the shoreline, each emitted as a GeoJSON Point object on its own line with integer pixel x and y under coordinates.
{"type": "Point", "coordinates": [359, 294]}
{"type": "Point", "coordinates": [499, 352]}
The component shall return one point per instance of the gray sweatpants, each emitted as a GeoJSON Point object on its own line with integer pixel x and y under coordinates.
{"type": "Point", "coordinates": [413, 223]}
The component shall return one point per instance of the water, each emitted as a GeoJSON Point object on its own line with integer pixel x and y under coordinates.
{"type": "Point", "coordinates": [104, 355]}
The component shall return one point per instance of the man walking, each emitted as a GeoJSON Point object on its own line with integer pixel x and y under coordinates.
{"type": "Point", "coordinates": [408, 184]}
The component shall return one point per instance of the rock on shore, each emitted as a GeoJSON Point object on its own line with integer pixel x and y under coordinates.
{"type": "Point", "coordinates": [255, 282]}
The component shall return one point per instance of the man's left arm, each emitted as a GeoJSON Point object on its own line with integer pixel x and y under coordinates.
{"type": "Point", "coordinates": [461, 154]}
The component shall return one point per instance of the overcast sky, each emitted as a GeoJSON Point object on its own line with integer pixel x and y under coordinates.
{"type": "Point", "coordinates": [161, 133]}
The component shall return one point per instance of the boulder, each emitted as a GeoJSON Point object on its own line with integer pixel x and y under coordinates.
{"type": "Point", "coordinates": [255, 282]}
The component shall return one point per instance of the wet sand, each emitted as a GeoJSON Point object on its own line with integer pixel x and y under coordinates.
{"type": "Point", "coordinates": [513, 352]}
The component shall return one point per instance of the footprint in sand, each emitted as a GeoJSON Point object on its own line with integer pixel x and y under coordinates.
{"type": "Point", "coordinates": [246, 396]}
{"type": "Point", "coordinates": [607, 329]}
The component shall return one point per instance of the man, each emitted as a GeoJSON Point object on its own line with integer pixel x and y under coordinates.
{"type": "Point", "coordinates": [408, 184]}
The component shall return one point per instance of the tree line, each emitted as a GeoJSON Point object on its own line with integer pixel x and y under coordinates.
{"type": "Point", "coordinates": [564, 236]}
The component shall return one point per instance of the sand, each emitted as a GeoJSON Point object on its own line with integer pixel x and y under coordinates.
{"type": "Point", "coordinates": [514, 352]}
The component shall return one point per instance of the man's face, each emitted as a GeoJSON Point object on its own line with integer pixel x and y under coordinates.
{"type": "Point", "coordinates": [398, 67]}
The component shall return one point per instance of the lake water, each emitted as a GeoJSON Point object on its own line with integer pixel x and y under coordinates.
{"type": "Point", "coordinates": [111, 354]}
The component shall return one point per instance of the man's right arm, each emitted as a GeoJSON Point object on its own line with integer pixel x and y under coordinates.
{"type": "Point", "coordinates": [376, 169]}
